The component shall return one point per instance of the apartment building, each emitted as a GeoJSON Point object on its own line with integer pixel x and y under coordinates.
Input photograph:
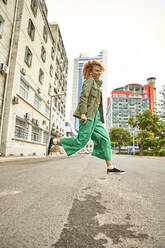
{"type": "Point", "coordinates": [37, 73]}
{"type": "Point", "coordinates": [129, 101]}
{"type": "Point", "coordinates": [7, 21]}
{"type": "Point", "coordinates": [60, 82]}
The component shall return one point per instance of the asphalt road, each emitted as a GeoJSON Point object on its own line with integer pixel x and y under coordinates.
{"type": "Point", "coordinates": [72, 203]}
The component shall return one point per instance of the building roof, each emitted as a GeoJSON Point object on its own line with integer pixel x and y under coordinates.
{"type": "Point", "coordinates": [133, 84]}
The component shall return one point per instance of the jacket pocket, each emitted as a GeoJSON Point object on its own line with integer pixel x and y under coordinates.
{"type": "Point", "coordinates": [94, 92]}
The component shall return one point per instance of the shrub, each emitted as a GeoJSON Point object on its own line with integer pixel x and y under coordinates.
{"type": "Point", "coordinates": [162, 152]}
{"type": "Point", "coordinates": [122, 153]}
{"type": "Point", "coordinates": [148, 153]}
{"type": "Point", "coordinates": [136, 152]}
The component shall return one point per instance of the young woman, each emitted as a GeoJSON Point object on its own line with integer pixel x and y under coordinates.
{"type": "Point", "coordinates": [90, 113]}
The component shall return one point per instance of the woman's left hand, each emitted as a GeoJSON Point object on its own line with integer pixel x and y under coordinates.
{"type": "Point", "coordinates": [83, 118]}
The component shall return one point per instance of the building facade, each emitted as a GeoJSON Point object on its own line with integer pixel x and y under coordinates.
{"type": "Point", "coordinates": [78, 82]}
{"type": "Point", "coordinates": [60, 82]}
{"type": "Point", "coordinates": [7, 25]}
{"type": "Point", "coordinates": [69, 129]}
{"type": "Point", "coordinates": [129, 101]}
{"type": "Point", "coordinates": [37, 73]}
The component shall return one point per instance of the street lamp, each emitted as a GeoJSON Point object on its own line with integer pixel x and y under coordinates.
{"type": "Point", "coordinates": [50, 115]}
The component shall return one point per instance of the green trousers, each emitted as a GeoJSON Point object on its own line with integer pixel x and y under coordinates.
{"type": "Point", "coordinates": [91, 129]}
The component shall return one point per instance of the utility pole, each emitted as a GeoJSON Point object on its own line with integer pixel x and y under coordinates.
{"type": "Point", "coordinates": [50, 116]}
{"type": "Point", "coordinates": [133, 143]}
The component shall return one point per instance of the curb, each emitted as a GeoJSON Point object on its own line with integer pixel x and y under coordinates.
{"type": "Point", "coordinates": [137, 156]}
{"type": "Point", "coordinates": [15, 158]}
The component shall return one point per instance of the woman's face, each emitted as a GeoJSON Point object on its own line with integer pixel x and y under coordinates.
{"type": "Point", "coordinates": [96, 71]}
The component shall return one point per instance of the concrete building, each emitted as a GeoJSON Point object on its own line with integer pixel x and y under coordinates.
{"type": "Point", "coordinates": [69, 129]}
{"type": "Point", "coordinates": [129, 101]}
{"type": "Point", "coordinates": [60, 83]}
{"type": "Point", "coordinates": [78, 82]}
{"type": "Point", "coordinates": [34, 74]}
{"type": "Point", "coordinates": [7, 25]}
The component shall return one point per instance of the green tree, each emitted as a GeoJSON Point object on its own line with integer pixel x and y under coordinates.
{"type": "Point", "coordinates": [156, 142]}
{"type": "Point", "coordinates": [148, 124]}
{"type": "Point", "coordinates": [160, 135]}
{"type": "Point", "coordinates": [120, 136]}
{"type": "Point", "coordinates": [161, 103]}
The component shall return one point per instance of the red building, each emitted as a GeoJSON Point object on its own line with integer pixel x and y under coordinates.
{"type": "Point", "coordinates": [130, 100]}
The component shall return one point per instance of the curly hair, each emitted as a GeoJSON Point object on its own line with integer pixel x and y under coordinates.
{"type": "Point", "coordinates": [87, 68]}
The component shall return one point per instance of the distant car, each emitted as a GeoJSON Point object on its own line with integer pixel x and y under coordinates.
{"type": "Point", "coordinates": [83, 151]}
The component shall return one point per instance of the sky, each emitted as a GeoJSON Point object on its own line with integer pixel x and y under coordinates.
{"type": "Point", "coordinates": [132, 32]}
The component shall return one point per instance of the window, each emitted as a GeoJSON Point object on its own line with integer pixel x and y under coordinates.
{"type": "Point", "coordinates": [5, 1]}
{"type": "Point", "coordinates": [62, 110]}
{"type": "Point", "coordinates": [2, 22]}
{"type": "Point", "coordinates": [59, 106]}
{"type": "Point", "coordinates": [44, 8]}
{"type": "Point", "coordinates": [122, 95]}
{"type": "Point", "coordinates": [31, 29]}
{"type": "Point", "coordinates": [47, 111]}
{"type": "Point", "coordinates": [55, 101]}
{"type": "Point", "coordinates": [41, 76]}
{"type": "Point", "coordinates": [34, 7]}
{"type": "Point", "coordinates": [139, 96]}
{"type": "Point", "coordinates": [37, 102]}
{"type": "Point", "coordinates": [21, 129]}
{"type": "Point", "coordinates": [45, 34]}
{"type": "Point", "coordinates": [52, 53]}
{"type": "Point", "coordinates": [36, 134]}
{"type": "Point", "coordinates": [23, 89]}
{"type": "Point", "coordinates": [51, 71]}
{"type": "Point", "coordinates": [43, 54]}
{"type": "Point", "coordinates": [45, 137]}
{"type": "Point", "coordinates": [28, 56]}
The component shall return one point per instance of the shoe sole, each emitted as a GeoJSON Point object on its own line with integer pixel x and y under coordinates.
{"type": "Point", "coordinates": [116, 173]}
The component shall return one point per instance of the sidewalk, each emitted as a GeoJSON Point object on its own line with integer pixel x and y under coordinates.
{"type": "Point", "coordinates": [19, 158]}
{"type": "Point", "coordinates": [58, 156]}
{"type": "Point", "coordinates": [160, 158]}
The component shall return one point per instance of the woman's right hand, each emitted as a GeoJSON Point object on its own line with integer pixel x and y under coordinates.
{"type": "Point", "coordinates": [83, 118]}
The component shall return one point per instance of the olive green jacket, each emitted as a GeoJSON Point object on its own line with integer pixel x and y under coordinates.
{"type": "Point", "coordinates": [89, 99]}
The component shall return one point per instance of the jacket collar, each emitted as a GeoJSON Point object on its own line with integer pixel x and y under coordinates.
{"type": "Point", "coordinates": [99, 82]}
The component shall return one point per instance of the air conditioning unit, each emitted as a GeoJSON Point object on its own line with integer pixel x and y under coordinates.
{"type": "Point", "coordinates": [43, 122]}
{"type": "Point", "coordinates": [4, 68]}
{"type": "Point", "coordinates": [27, 116]}
{"type": "Point", "coordinates": [23, 71]}
{"type": "Point", "coordinates": [35, 122]}
{"type": "Point", "coordinates": [15, 100]}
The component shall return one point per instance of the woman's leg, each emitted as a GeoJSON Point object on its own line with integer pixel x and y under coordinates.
{"type": "Point", "coordinates": [102, 147]}
{"type": "Point", "coordinates": [73, 144]}
{"type": "Point", "coordinates": [108, 163]}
